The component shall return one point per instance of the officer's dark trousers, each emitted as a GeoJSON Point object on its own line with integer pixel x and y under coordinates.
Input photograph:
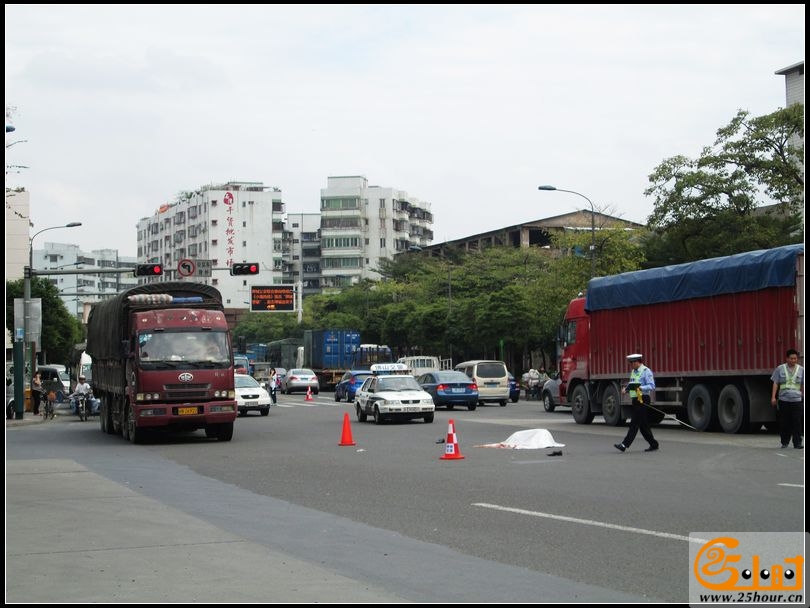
{"type": "Point", "coordinates": [790, 421]}
{"type": "Point", "coordinates": [639, 422]}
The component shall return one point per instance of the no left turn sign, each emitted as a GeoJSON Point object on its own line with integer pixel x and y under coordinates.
{"type": "Point", "coordinates": [186, 267]}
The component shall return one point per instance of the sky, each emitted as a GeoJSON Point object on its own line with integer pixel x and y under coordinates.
{"type": "Point", "coordinates": [117, 108]}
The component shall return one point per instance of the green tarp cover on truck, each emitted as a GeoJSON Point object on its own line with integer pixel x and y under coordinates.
{"type": "Point", "coordinates": [107, 325]}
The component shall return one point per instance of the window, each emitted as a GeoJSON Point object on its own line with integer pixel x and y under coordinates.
{"type": "Point", "coordinates": [382, 243]}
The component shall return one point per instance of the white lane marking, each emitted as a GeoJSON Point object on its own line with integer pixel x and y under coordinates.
{"type": "Point", "coordinates": [590, 522]}
{"type": "Point", "coordinates": [791, 485]}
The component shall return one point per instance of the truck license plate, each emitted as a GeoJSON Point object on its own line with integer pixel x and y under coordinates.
{"type": "Point", "coordinates": [186, 411]}
{"type": "Point", "coordinates": [251, 403]}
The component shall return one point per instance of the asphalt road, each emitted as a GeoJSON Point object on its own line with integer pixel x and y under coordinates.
{"type": "Point", "coordinates": [284, 514]}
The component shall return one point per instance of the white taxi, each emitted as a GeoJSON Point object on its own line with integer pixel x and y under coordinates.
{"type": "Point", "coordinates": [392, 395]}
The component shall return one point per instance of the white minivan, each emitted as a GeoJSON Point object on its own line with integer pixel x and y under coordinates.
{"type": "Point", "coordinates": [491, 377]}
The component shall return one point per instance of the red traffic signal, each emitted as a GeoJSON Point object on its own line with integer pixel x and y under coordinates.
{"type": "Point", "coordinates": [244, 268]}
{"type": "Point", "coordinates": [148, 270]}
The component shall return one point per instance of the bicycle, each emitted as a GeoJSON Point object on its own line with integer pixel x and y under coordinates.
{"type": "Point", "coordinates": [48, 411]}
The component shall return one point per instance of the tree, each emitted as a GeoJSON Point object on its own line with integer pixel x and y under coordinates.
{"type": "Point", "coordinates": [713, 205]}
{"type": "Point", "coordinates": [60, 329]}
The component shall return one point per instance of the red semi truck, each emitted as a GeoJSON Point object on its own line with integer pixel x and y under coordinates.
{"type": "Point", "coordinates": [162, 360]}
{"type": "Point", "coordinates": [712, 331]}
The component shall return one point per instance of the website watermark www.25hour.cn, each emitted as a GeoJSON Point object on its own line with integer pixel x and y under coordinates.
{"type": "Point", "coordinates": [746, 567]}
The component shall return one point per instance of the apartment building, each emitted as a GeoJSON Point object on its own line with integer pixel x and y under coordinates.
{"type": "Point", "coordinates": [79, 291]}
{"type": "Point", "coordinates": [215, 226]}
{"type": "Point", "coordinates": [302, 251]}
{"type": "Point", "coordinates": [360, 224]}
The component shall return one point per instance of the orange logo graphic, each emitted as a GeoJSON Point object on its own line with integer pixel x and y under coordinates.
{"type": "Point", "coordinates": [713, 570]}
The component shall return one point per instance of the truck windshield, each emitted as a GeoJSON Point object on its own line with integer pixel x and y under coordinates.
{"type": "Point", "coordinates": [183, 349]}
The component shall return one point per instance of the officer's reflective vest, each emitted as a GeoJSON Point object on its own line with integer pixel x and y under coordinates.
{"type": "Point", "coordinates": [635, 376]}
{"type": "Point", "coordinates": [790, 383]}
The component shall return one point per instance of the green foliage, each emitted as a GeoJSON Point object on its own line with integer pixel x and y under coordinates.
{"type": "Point", "coordinates": [464, 305]}
{"type": "Point", "coordinates": [60, 329]}
{"type": "Point", "coordinates": [713, 205]}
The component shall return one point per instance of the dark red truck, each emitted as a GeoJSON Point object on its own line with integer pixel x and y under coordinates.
{"type": "Point", "coordinates": [162, 360]}
{"type": "Point", "coordinates": [712, 331]}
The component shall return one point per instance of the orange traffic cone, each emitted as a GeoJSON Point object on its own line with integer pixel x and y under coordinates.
{"type": "Point", "coordinates": [346, 438]}
{"type": "Point", "coordinates": [451, 449]}
{"type": "Point", "coordinates": [309, 394]}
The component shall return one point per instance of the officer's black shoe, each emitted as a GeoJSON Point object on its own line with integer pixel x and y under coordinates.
{"type": "Point", "coordinates": [619, 446]}
{"type": "Point", "coordinates": [652, 448]}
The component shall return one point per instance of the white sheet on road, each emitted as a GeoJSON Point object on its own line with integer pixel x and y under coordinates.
{"type": "Point", "coordinates": [532, 439]}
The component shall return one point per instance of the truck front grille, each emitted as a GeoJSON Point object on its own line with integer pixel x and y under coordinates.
{"type": "Point", "coordinates": [186, 392]}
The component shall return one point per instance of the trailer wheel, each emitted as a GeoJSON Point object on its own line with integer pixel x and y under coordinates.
{"type": "Point", "coordinates": [580, 407]}
{"type": "Point", "coordinates": [733, 409]}
{"type": "Point", "coordinates": [612, 406]}
{"type": "Point", "coordinates": [701, 409]}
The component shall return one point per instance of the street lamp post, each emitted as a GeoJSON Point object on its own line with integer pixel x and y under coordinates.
{"type": "Point", "coordinates": [593, 223]}
{"type": "Point", "coordinates": [28, 273]}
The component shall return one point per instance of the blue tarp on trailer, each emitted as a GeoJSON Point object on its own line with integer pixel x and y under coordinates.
{"type": "Point", "coordinates": [749, 271]}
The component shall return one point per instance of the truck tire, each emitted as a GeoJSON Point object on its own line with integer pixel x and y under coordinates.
{"type": "Point", "coordinates": [580, 407]}
{"type": "Point", "coordinates": [733, 411]}
{"type": "Point", "coordinates": [102, 418]}
{"type": "Point", "coordinates": [701, 409]}
{"type": "Point", "coordinates": [224, 431]}
{"type": "Point", "coordinates": [134, 434]}
{"type": "Point", "coordinates": [125, 423]}
{"type": "Point", "coordinates": [612, 406]}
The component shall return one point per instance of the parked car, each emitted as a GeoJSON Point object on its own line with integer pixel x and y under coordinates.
{"type": "Point", "coordinates": [300, 379]}
{"type": "Point", "coordinates": [11, 412]}
{"type": "Point", "coordinates": [349, 383]}
{"type": "Point", "coordinates": [393, 396]}
{"type": "Point", "coordinates": [250, 396]}
{"type": "Point", "coordinates": [450, 388]}
{"type": "Point", "coordinates": [514, 389]}
{"type": "Point", "coordinates": [54, 378]}
{"type": "Point", "coordinates": [551, 393]}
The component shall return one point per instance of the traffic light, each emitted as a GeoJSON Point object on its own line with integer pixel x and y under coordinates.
{"type": "Point", "coordinates": [244, 268]}
{"type": "Point", "coordinates": [148, 270]}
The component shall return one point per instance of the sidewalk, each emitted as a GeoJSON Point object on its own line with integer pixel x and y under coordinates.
{"type": "Point", "coordinates": [28, 418]}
